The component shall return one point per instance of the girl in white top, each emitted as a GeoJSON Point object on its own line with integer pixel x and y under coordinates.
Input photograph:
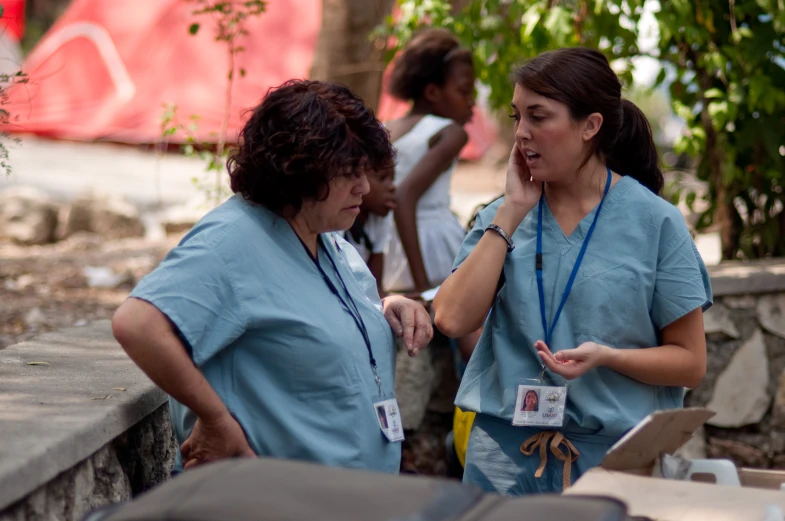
{"type": "Point", "coordinates": [437, 76]}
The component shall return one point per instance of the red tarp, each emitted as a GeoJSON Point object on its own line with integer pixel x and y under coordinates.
{"type": "Point", "coordinates": [106, 69]}
{"type": "Point", "coordinates": [13, 20]}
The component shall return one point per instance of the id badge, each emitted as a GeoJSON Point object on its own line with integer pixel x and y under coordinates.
{"type": "Point", "coordinates": [389, 417]}
{"type": "Point", "coordinates": [539, 405]}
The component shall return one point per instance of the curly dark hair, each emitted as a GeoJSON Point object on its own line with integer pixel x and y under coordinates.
{"type": "Point", "coordinates": [426, 59]}
{"type": "Point", "coordinates": [302, 135]}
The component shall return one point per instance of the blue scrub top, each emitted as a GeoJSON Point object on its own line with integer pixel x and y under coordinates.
{"type": "Point", "coordinates": [274, 341]}
{"type": "Point", "coordinates": [641, 271]}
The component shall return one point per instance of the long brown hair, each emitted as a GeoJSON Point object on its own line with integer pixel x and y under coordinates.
{"type": "Point", "coordinates": [583, 80]}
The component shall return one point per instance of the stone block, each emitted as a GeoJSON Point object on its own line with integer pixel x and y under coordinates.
{"type": "Point", "coordinates": [778, 410]}
{"type": "Point", "coordinates": [110, 475]}
{"type": "Point", "coordinates": [718, 320]}
{"type": "Point", "coordinates": [740, 301]}
{"type": "Point", "coordinates": [27, 216]}
{"type": "Point", "coordinates": [89, 392]}
{"type": "Point", "coordinates": [771, 313]}
{"type": "Point", "coordinates": [741, 395]}
{"type": "Point", "coordinates": [110, 217]}
{"type": "Point", "coordinates": [742, 454]}
{"type": "Point", "coordinates": [414, 378]}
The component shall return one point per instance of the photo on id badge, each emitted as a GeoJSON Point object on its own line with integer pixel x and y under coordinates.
{"type": "Point", "coordinates": [389, 419]}
{"type": "Point", "coordinates": [382, 417]}
{"type": "Point", "coordinates": [539, 406]}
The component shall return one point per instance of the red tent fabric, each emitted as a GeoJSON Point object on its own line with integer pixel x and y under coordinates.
{"type": "Point", "coordinates": [105, 71]}
{"type": "Point", "coordinates": [13, 19]}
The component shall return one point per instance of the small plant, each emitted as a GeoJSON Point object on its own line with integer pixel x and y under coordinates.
{"type": "Point", "coordinates": [7, 81]}
{"type": "Point", "coordinates": [6, 118]}
{"type": "Point", "coordinates": [229, 19]}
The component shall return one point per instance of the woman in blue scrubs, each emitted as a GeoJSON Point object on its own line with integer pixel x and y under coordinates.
{"type": "Point", "coordinates": [595, 288]}
{"type": "Point", "coordinates": [263, 325]}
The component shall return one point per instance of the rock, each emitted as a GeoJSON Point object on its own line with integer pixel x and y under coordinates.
{"type": "Point", "coordinates": [111, 217]}
{"type": "Point", "coordinates": [695, 448]}
{"type": "Point", "coordinates": [778, 463]}
{"type": "Point", "coordinates": [413, 383]}
{"type": "Point", "coordinates": [82, 241]}
{"type": "Point", "coordinates": [740, 302]}
{"type": "Point", "coordinates": [20, 283]}
{"type": "Point", "coordinates": [27, 216]}
{"type": "Point", "coordinates": [179, 219]}
{"type": "Point", "coordinates": [103, 277]}
{"type": "Point", "coordinates": [741, 395]}
{"type": "Point", "coordinates": [778, 411]}
{"type": "Point", "coordinates": [5, 341]}
{"type": "Point", "coordinates": [742, 454]}
{"type": "Point", "coordinates": [771, 313]}
{"type": "Point", "coordinates": [35, 317]}
{"type": "Point", "coordinates": [718, 320]}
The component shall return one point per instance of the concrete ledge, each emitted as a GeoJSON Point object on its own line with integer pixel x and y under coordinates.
{"type": "Point", "coordinates": [741, 278]}
{"type": "Point", "coordinates": [54, 416]}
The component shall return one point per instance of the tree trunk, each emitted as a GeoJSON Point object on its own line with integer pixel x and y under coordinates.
{"type": "Point", "coordinates": [730, 231]}
{"type": "Point", "coordinates": [344, 53]}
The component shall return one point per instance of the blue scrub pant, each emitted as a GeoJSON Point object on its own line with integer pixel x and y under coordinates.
{"type": "Point", "coordinates": [495, 463]}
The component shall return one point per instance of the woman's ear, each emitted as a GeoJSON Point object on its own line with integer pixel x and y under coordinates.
{"type": "Point", "coordinates": [432, 93]}
{"type": "Point", "coordinates": [591, 126]}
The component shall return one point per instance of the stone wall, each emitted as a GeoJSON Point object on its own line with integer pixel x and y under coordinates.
{"type": "Point", "coordinates": [132, 463]}
{"type": "Point", "coordinates": [81, 426]}
{"type": "Point", "coordinates": [745, 381]}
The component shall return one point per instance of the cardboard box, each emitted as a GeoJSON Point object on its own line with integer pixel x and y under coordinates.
{"type": "Point", "coordinates": [626, 474]}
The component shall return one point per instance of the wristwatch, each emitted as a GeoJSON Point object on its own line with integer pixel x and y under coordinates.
{"type": "Point", "coordinates": [497, 229]}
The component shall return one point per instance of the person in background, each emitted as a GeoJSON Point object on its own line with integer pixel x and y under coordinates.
{"type": "Point", "coordinates": [370, 234]}
{"type": "Point", "coordinates": [437, 76]}
{"type": "Point", "coordinates": [594, 286]}
{"type": "Point", "coordinates": [258, 324]}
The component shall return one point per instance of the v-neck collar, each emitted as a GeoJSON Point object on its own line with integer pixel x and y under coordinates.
{"type": "Point", "coordinates": [578, 234]}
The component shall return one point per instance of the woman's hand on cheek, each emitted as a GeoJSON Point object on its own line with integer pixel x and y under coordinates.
{"type": "Point", "coordinates": [572, 363]}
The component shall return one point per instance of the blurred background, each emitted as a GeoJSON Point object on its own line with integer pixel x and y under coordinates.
{"type": "Point", "coordinates": [117, 117]}
{"type": "Point", "coordinates": [136, 104]}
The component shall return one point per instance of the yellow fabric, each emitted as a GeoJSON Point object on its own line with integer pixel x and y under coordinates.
{"type": "Point", "coordinates": [461, 427]}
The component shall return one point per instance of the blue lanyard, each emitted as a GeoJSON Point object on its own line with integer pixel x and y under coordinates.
{"type": "Point", "coordinates": [578, 261]}
{"type": "Point", "coordinates": [353, 310]}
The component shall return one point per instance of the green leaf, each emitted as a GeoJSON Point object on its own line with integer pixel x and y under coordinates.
{"type": "Point", "coordinates": [193, 28]}
{"type": "Point", "coordinates": [242, 73]}
{"type": "Point", "coordinates": [661, 76]}
{"type": "Point", "coordinates": [714, 93]}
{"type": "Point", "coordinates": [689, 200]}
{"type": "Point", "coordinates": [530, 19]}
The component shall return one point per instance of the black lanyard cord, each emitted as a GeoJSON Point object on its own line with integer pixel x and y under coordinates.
{"type": "Point", "coordinates": [353, 310]}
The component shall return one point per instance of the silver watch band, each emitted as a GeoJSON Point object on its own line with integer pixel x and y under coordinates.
{"type": "Point", "coordinates": [497, 229]}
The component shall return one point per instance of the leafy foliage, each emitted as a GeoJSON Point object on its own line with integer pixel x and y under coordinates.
{"type": "Point", "coordinates": [229, 18]}
{"type": "Point", "coordinates": [725, 63]}
{"type": "Point", "coordinates": [6, 118]}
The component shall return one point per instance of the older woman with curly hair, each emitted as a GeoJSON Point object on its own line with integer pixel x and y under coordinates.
{"type": "Point", "coordinates": [263, 325]}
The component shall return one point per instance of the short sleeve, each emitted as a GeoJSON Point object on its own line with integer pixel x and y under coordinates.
{"type": "Point", "coordinates": [475, 234]}
{"type": "Point", "coordinates": [682, 282]}
{"type": "Point", "coordinates": [193, 289]}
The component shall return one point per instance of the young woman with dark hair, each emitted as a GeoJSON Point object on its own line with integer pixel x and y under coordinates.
{"type": "Point", "coordinates": [594, 286]}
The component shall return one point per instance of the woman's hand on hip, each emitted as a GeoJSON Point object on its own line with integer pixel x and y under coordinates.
{"type": "Point", "coordinates": [521, 192]}
{"type": "Point", "coordinates": [214, 440]}
{"type": "Point", "coordinates": [409, 320]}
{"type": "Point", "coordinates": [572, 363]}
